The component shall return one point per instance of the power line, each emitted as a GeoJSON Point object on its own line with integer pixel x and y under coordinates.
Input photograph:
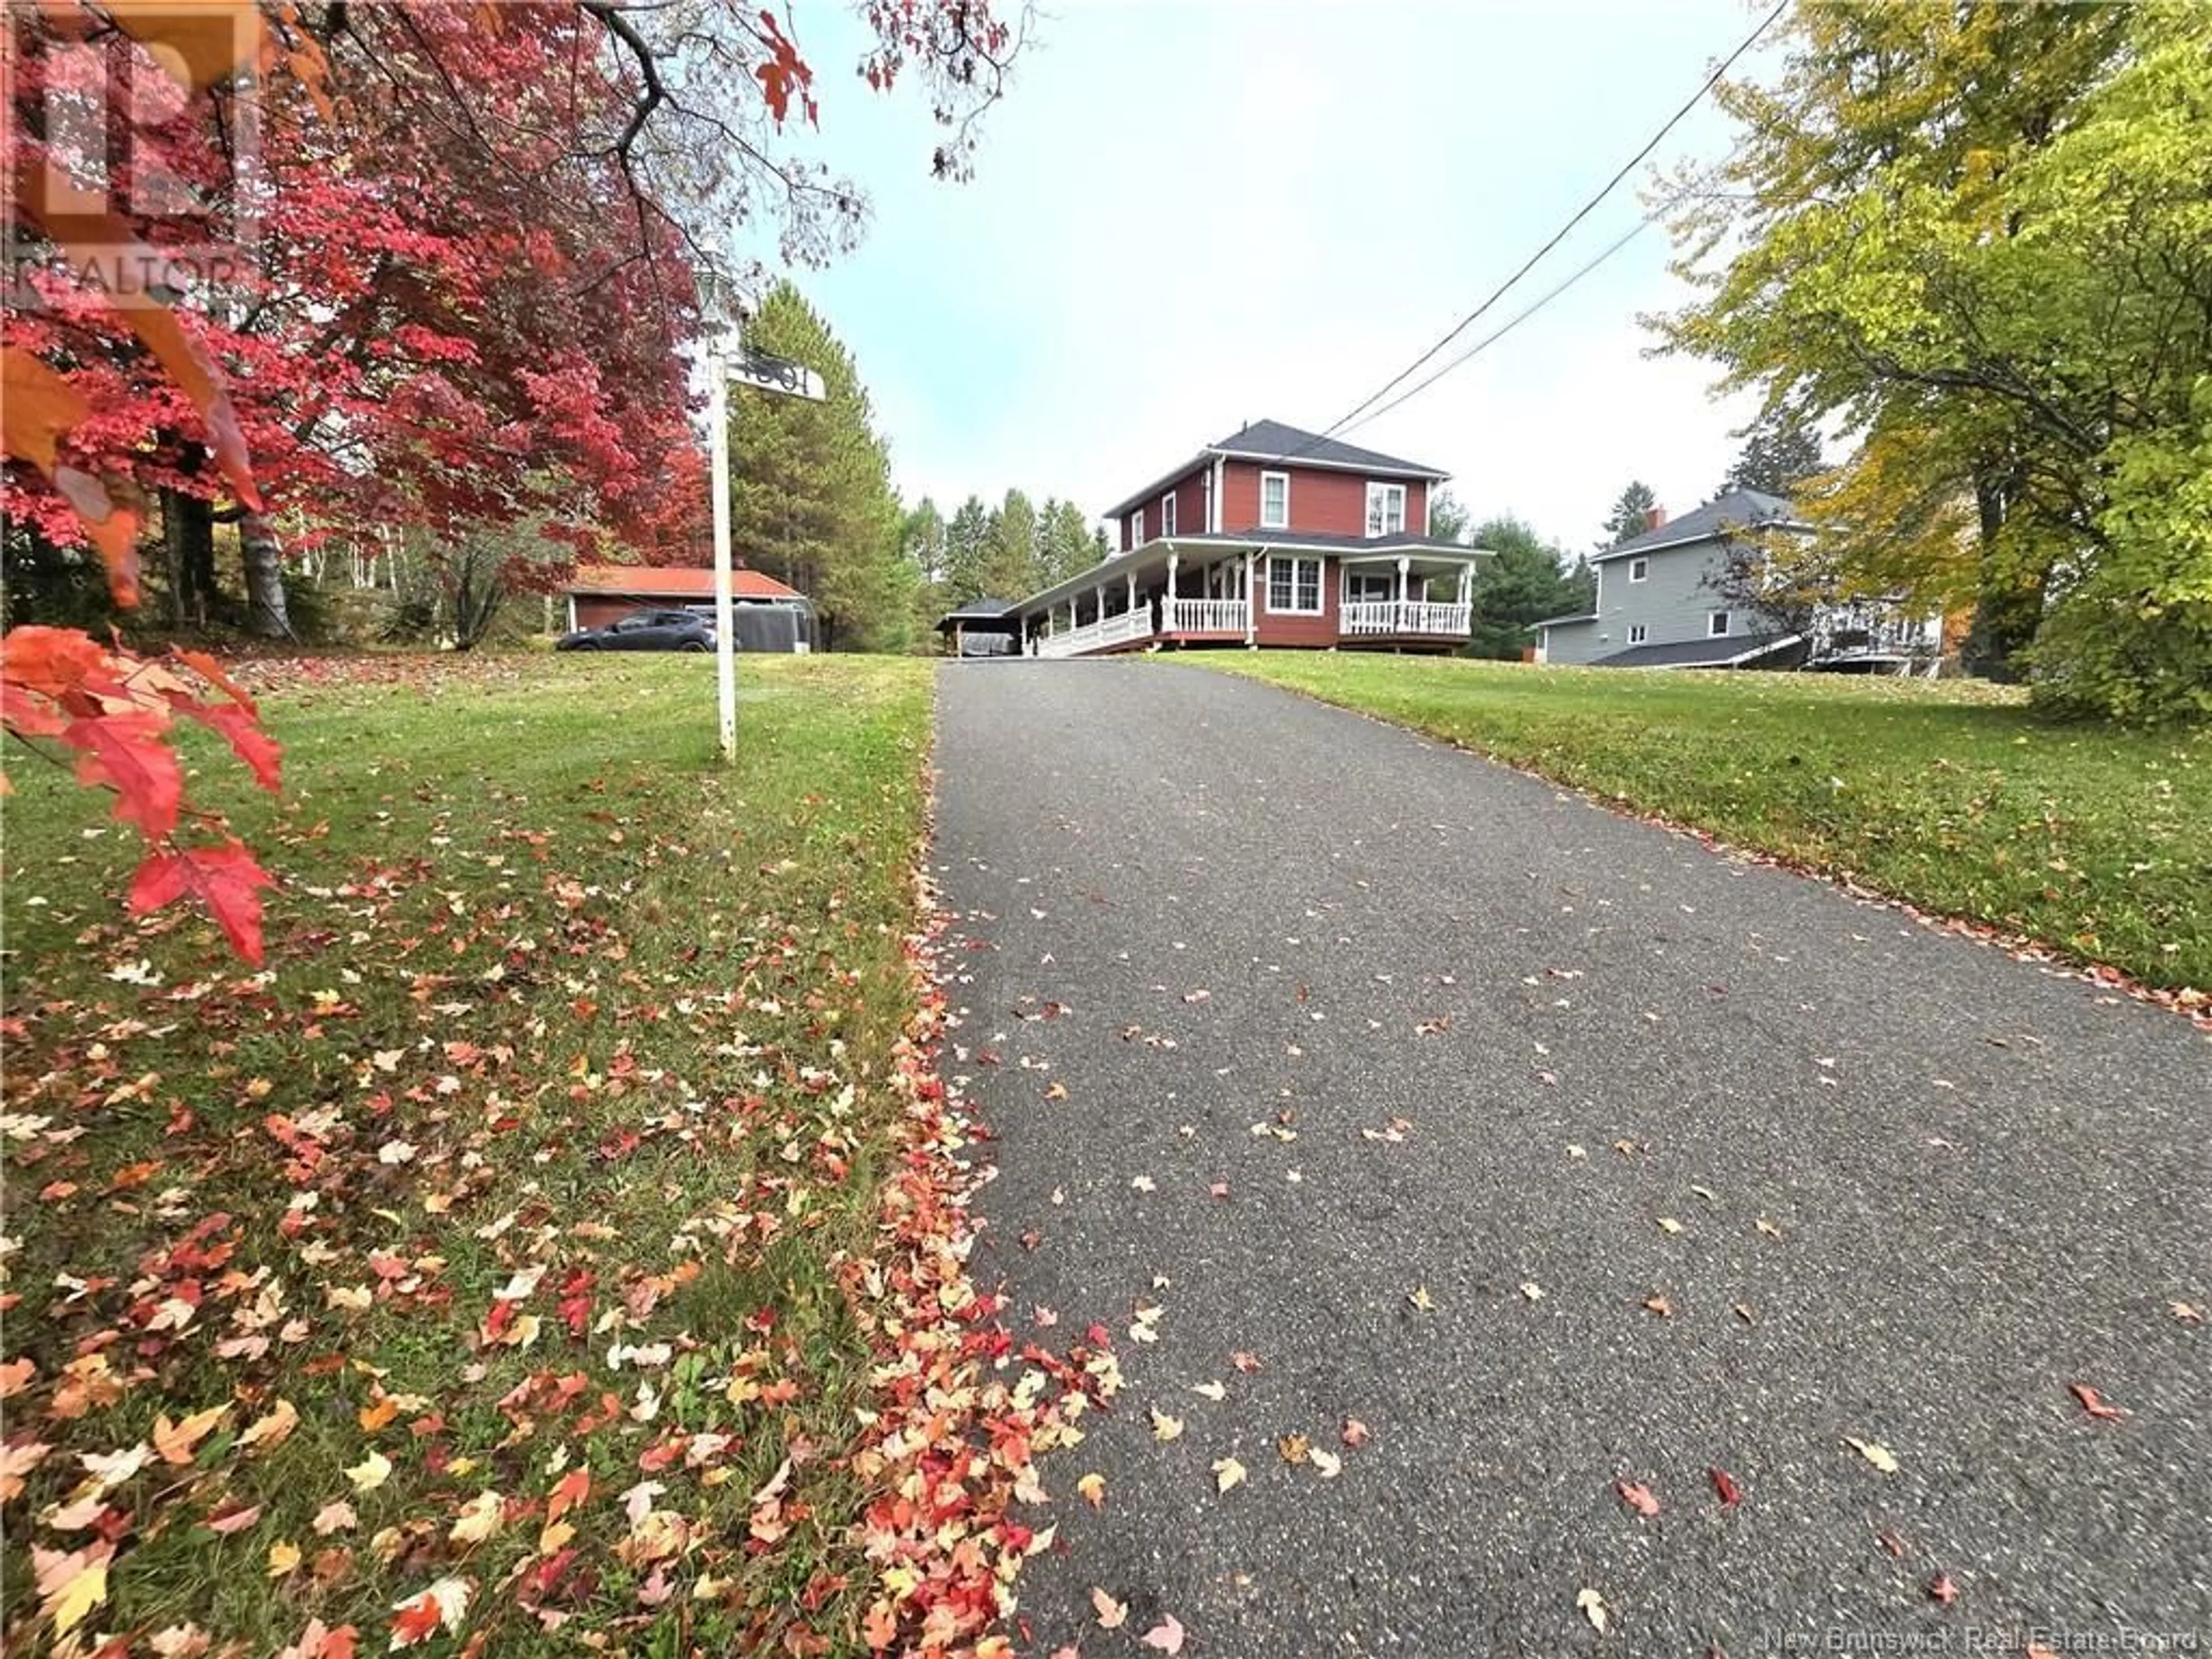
{"type": "Point", "coordinates": [1506, 328]}
{"type": "Point", "coordinates": [1581, 213]}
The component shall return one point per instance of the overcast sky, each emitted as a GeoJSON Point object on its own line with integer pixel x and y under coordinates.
{"type": "Point", "coordinates": [1188, 214]}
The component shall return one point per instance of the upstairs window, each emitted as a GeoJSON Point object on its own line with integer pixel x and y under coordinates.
{"type": "Point", "coordinates": [1274, 500]}
{"type": "Point", "coordinates": [1167, 514]}
{"type": "Point", "coordinates": [1639, 632]}
{"type": "Point", "coordinates": [1136, 530]}
{"type": "Point", "coordinates": [1717, 624]}
{"type": "Point", "coordinates": [1386, 509]}
{"type": "Point", "coordinates": [1638, 569]}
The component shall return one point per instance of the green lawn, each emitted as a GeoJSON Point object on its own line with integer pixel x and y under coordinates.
{"type": "Point", "coordinates": [1948, 795]}
{"type": "Point", "coordinates": [555, 1227]}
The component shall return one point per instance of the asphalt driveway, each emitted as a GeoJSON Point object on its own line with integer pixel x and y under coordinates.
{"type": "Point", "coordinates": [1565, 1156]}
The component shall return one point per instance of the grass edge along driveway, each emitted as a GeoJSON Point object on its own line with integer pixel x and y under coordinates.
{"type": "Point", "coordinates": [1948, 796]}
{"type": "Point", "coordinates": [561, 1242]}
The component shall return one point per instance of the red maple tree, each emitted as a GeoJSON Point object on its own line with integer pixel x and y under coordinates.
{"type": "Point", "coordinates": [472, 299]}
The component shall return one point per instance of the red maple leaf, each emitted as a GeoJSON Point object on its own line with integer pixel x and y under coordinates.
{"type": "Point", "coordinates": [1723, 1483]}
{"type": "Point", "coordinates": [225, 878]}
{"type": "Point", "coordinates": [128, 753]}
{"type": "Point", "coordinates": [260, 751]}
{"type": "Point", "coordinates": [416, 1621]}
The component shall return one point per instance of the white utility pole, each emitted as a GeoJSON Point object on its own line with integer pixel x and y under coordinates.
{"type": "Point", "coordinates": [725, 622]}
{"type": "Point", "coordinates": [773, 374]}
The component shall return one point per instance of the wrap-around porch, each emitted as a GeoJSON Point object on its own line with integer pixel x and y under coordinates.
{"type": "Point", "coordinates": [1303, 597]}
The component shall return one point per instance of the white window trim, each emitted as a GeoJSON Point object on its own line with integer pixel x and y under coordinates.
{"type": "Point", "coordinates": [1638, 633]}
{"type": "Point", "coordinates": [1294, 560]}
{"type": "Point", "coordinates": [1639, 570]}
{"type": "Point", "coordinates": [1136, 530]}
{"type": "Point", "coordinates": [1285, 522]}
{"type": "Point", "coordinates": [1168, 514]}
{"type": "Point", "coordinates": [1716, 625]}
{"type": "Point", "coordinates": [1376, 487]}
{"type": "Point", "coordinates": [1387, 578]}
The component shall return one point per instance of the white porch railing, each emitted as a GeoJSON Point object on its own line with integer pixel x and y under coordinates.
{"type": "Point", "coordinates": [1412, 616]}
{"type": "Point", "coordinates": [1117, 629]}
{"type": "Point", "coordinates": [1206, 616]}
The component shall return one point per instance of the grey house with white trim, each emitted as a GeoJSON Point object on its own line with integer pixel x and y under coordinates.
{"type": "Point", "coordinates": [1661, 604]}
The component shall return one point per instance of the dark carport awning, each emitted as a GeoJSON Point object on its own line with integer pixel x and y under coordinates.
{"type": "Point", "coordinates": [981, 615]}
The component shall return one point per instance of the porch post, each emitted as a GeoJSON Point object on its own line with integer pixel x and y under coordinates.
{"type": "Point", "coordinates": [1175, 562]}
{"type": "Point", "coordinates": [1130, 606]}
{"type": "Point", "coordinates": [1251, 603]}
{"type": "Point", "coordinates": [1402, 563]}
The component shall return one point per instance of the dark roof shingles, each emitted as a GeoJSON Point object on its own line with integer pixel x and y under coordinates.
{"type": "Point", "coordinates": [1739, 509]}
{"type": "Point", "coordinates": [1272, 439]}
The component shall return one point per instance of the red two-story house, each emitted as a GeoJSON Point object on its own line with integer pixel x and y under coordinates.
{"type": "Point", "coordinates": [1272, 536]}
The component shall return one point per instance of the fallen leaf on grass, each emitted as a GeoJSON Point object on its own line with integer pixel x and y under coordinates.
{"type": "Point", "coordinates": [1724, 1485]}
{"type": "Point", "coordinates": [1166, 1636]}
{"type": "Point", "coordinates": [175, 1441]}
{"type": "Point", "coordinates": [2094, 1403]}
{"type": "Point", "coordinates": [1091, 1488]}
{"type": "Point", "coordinates": [479, 1519]}
{"type": "Point", "coordinates": [1881, 1457]}
{"type": "Point", "coordinates": [570, 1490]}
{"type": "Point", "coordinates": [1227, 1472]}
{"type": "Point", "coordinates": [284, 1558]}
{"type": "Point", "coordinates": [1112, 1614]}
{"type": "Point", "coordinates": [70, 1583]}
{"type": "Point", "coordinates": [1637, 1496]}
{"type": "Point", "coordinates": [1163, 1426]}
{"type": "Point", "coordinates": [227, 1521]}
{"type": "Point", "coordinates": [319, 1641]}
{"type": "Point", "coordinates": [337, 1517]}
{"type": "Point", "coordinates": [1592, 1606]}
{"type": "Point", "coordinates": [370, 1472]}
{"type": "Point", "coordinates": [417, 1618]}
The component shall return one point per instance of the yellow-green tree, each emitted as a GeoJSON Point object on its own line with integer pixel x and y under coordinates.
{"type": "Point", "coordinates": [1977, 236]}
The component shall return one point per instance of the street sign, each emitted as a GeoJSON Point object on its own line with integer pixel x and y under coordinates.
{"type": "Point", "coordinates": [778, 374]}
